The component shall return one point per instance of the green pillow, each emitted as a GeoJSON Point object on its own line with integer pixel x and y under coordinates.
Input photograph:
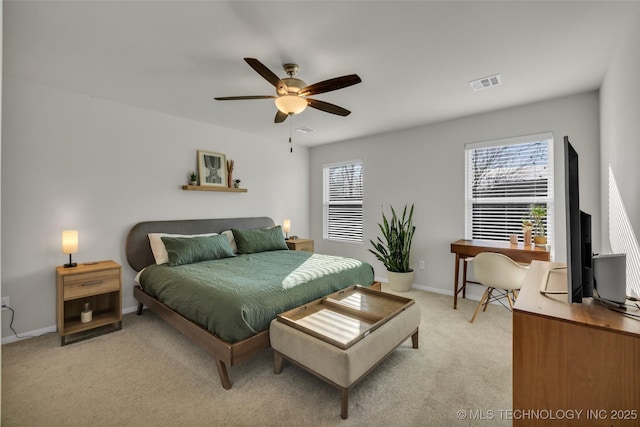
{"type": "Point", "coordinates": [187, 250]}
{"type": "Point", "coordinates": [266, 239]}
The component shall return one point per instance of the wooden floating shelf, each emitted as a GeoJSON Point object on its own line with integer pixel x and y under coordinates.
{"type": "Point", "coordinates": [212, 188]}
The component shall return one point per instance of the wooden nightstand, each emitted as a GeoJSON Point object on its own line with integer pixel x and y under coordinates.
{"type": "Point", "coordinates": [100, 285]}
{"type": "Point", "coordinates": [300, 244]}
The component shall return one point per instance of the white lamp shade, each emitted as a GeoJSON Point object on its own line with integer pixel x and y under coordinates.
{"type": "Point", "coordinates": [286, 225]}
{"type": "Point", "coordinates": [70, 241]}
{"type": "Point", "coordinates": [291, 104]}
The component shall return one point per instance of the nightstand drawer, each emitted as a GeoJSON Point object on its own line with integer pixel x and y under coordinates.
{"type": "Point", "coordinates": [305, 246]}
{"type": "Point", "coordinates": [87, 284]}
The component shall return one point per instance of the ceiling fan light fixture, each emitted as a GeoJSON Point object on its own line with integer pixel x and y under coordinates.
{"type": "Point", "coordinates": [293, 85]}
{"type": "Point", "coordinates": [291, 104]}
{"type": "Point", "coordinates": [292, 94]}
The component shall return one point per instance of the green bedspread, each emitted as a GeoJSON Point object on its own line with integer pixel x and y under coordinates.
{"type": "Point", "coordinates": [237, 297]}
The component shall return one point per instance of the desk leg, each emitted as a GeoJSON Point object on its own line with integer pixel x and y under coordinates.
{"type": "Point", "coordinates": [464, 278]}
{"type": "Point", "coordinates": [456, 271]}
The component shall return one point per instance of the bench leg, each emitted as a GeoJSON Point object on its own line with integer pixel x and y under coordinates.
{"type": "Point", "coordinates": [344, 404]}
{"type": "Point", "coordinates": [277, 362]}
{"type": "Point", "coordinates": [414, 339]}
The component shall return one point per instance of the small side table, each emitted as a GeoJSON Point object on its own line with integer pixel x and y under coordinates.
{"type": "Point", "coordinates": [100, 285]}
{"type": "Point", "coordinates": [305, 245]}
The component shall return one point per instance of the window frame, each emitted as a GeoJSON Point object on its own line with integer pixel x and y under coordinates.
{"type": "Point", "coordinates": [549, 199]}
{"type": "Point", "coordinates": [326, 202]}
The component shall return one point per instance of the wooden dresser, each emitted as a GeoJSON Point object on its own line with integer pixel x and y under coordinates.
{"type": "Point", "coordinates": [573, 364]}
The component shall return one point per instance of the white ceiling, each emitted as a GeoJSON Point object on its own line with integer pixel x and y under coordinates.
{"type": "Point", "coordinates": [415, 58]}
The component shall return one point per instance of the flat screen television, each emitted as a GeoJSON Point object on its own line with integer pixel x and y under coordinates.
{"type": "Point", "coordinates": [579, 249]}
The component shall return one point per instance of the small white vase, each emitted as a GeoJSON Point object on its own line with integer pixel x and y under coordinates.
{"type": "Point", "coordinates": [400, 282]}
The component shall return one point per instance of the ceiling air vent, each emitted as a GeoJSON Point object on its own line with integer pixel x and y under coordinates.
{"type": "Point", "coordinates": [486, 82]}
{"type": "Point", "coordinates": [304, 129]}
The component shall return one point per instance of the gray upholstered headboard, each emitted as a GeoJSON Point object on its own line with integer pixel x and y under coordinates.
{"type": "Point", "coordinates": [138, 249]}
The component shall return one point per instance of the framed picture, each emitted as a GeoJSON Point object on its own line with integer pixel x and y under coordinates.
{"type": "Point", "coordinates": [212, 168]}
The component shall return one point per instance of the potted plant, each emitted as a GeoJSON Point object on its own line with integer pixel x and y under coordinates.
{"type": "Point", "coordinates": [236, 183]}
{"type": "Point", "coordinates": [393, 248]}
{"type": "Point", "coordinates": [193, 178]}
{"type": "Point", "coordinates": [538, 215]}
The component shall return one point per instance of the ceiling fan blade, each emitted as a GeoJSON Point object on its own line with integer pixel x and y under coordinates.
{"type": "Point", "coordinates": [280, 117]}
{"type": "Point", "coordinates": [331, 84]}
{"type": "Point", "coordinates": [267, 74]}
{"type": "Point", "coordinates": [236, 98]}
{"type": "Point", "coordinates": [326, 107]}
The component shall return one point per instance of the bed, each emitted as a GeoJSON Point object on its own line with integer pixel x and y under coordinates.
{"type": "Point", "coordinates": [224, 303]}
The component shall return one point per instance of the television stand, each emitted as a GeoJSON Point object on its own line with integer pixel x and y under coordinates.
{"type": "Point", "coordinates": [573, 364]}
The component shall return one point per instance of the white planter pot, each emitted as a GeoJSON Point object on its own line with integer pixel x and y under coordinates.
{"type": "Point", "coordinates": [400, 282]}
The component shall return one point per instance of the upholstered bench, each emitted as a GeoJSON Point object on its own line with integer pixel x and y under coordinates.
{"type": "Point", "coordinates": [343, 368]}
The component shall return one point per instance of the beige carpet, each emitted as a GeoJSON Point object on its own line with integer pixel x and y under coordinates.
{"type": "Point", "coordinates": [148, 374]}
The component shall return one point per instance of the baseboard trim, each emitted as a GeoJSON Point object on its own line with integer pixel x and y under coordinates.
{"type": "Point", "coordinates": [474, 292]}
{"type": "Point", "coordinates": [47, 330]}
{"type": "Point", "coordinates": [471, 294]}
{"type": "Point", "coordinates": [30, 334]}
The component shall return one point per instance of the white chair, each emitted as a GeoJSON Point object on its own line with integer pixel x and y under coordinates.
{"type": "Point", "coordinates": [500, 274]}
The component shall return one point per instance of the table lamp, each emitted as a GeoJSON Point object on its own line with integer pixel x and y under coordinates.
{"type": "Point", "coordinates": [286, 227]}
{"type": "Point", "coordinates": [70, 245]}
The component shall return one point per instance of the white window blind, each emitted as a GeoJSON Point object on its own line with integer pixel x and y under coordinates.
{"type": "Point", "coordinates": [343, 202]}
{"type": "Point", "coordinates": [504, 178]}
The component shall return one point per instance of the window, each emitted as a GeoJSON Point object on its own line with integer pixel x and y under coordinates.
{"type": "Point", "coordinates": [343, 201]}
{"type": "Point", "coordinates": [504, 178]}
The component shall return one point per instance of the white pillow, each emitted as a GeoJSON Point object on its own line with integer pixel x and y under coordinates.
{"type": "Point", "coordinates": [157, 245]}
{"type": "Point", "coordinates": [232, 240]}
{"type": "Point", "coordinates": [137, 278]}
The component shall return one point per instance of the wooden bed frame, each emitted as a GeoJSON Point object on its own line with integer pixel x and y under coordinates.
{"type": "Point", "coordinates": [224, 353]}
{"type": "Point", "coordinates": [139, 255]}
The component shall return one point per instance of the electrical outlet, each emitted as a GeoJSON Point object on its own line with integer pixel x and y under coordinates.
{"type": "Point", "coordinates": [5, 303]}
{"type": "Point", "coordinates": [421, 265]}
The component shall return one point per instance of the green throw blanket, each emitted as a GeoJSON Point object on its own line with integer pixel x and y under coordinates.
{"type": "Point", "coordinates": [238, 297]}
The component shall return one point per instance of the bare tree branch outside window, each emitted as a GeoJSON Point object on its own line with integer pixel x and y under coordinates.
{"type": "Point", "coordinates": [505, 181]}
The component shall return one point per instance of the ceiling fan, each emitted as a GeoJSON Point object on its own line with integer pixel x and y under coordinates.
{"type": "Point", "coordinates": [292, 93]}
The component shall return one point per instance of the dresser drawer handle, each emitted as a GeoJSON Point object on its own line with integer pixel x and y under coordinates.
{"type": "Point", "coordinates": [93, 282]}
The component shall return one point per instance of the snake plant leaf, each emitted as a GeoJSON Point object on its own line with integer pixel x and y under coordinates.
{"type": "Point", "coordinates": [393, 249]}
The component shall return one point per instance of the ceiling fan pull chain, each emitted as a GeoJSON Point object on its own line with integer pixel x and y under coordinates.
{"type": "Point", "coordinates": [290, 134]}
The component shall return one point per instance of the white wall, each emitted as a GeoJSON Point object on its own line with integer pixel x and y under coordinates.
{"type": "Point", "coordinates": [425, 166]}
{"type": "Point", "coordinates": [1, 56]}
{"type": "Point", "coordinates": [620, 123]}
{"type": "Point", "coordinates": [72, 161]}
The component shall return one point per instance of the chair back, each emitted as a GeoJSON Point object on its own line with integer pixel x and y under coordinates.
{"type": "Point", "coordinates": [498, 271]}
